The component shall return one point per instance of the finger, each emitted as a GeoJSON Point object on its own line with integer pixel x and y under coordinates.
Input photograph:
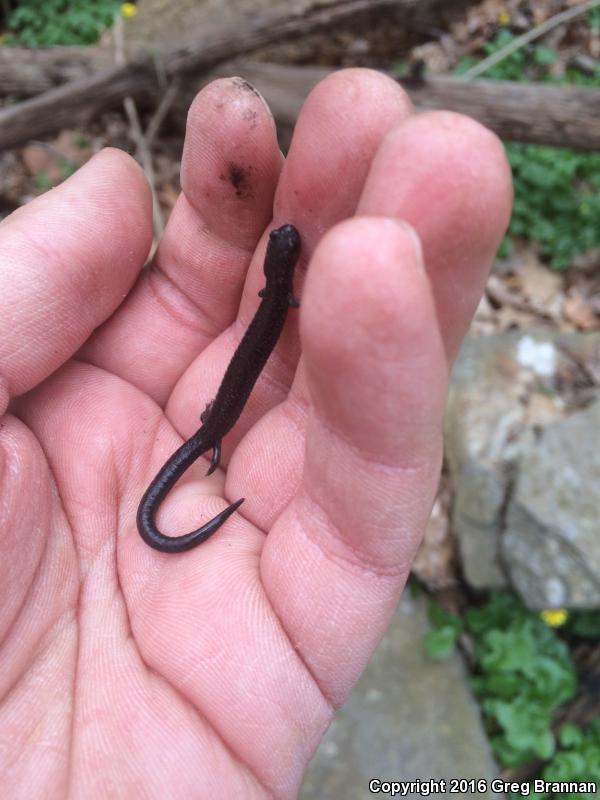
{"type": "Point", "coordinates": [336, 559]}
{"type": "Point", "coordinates": [193, 292]}
{"type": "Point", "coordinates": [178, 330]}
{"type": "Point", "coordinates": [448, 176]}
{"type": "Point", "coordinates": [66, 261]}
{"type": "Point", "coordinates": [343, 121]}
{"type": "Point", "coordinates": [32, 568]}
{"type": "Point", "coordinates": [230, 167]}
{"type": "Point", "coordinates": [339, 131]}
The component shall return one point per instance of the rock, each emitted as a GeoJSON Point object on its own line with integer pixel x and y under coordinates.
{"type": "Point", "coordinates": [519, 409]}
{"type": "Point", "coordinates": [435, 563]}
{"type": "Point", "coordinates": [551, 544]}
{"type": "Point", "coordinates": [484, 414]}
{"type": "Point", "coordinates": [408, 718]}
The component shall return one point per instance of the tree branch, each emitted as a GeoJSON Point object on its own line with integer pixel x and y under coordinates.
{"type": "Point", "coordinates": [537, 113]}
{"type": "Point", "coordinates": [560, 116]}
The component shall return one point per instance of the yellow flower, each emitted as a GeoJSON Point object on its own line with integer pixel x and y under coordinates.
{"type": "Point", "coordinates": [554, 617]}
{"type": "Point", "coordinates": [503, 18]}
{"type": "Point", "coordinates": [128, 9]}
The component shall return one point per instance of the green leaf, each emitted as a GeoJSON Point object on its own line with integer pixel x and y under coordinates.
{"type": "Point", "coordinates": [66, 22]}
{"type": "Point", "coordinates": [440, 643]}
{"type": "Point", "coordinates": [557, 191]}
{"type": "Point", "coordinates": [544, 55]}
{"type": "Point", "coordinates": [566, 767]}
{"type": "Point", "coordinates": [570, 735]}
{"type": "Point", "coordinates": [439, 617]}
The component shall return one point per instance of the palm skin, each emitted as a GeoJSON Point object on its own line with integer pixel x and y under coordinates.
{"type": "Point", "coordinates": [130, 673]}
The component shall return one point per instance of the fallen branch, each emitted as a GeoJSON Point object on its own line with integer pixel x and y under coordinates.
{"type": "Point", "coordinates": [560, 116]}
{"type": "Point", "coordinates": [551, 115]}
{"type": "Point", "coordinates": [530, 36]}
{"type": "Point", "coordinates": [80, 99]}
{"type": "Point", "coordinates": [25, 73]}
{"type": "Point", "coordinates": [143, 154]}
{"type": "Point", "coordinates": [497, 291]}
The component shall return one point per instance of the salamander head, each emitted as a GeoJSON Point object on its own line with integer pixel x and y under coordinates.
{"type": "Point", "coordinates": [282, 252]}
{"type": "Point", "coordinates": [287, 238]}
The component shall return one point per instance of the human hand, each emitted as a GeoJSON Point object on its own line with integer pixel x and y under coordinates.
{"type": "Point", "coordinates": [214, 673]}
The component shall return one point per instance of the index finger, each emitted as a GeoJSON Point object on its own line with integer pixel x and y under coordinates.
{"type": "Point", "coordinates": [229, 171]}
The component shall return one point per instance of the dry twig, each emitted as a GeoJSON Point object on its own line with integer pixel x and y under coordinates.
{"type": "Point", "coordinates": [521, 41]}
{"type": "Point", "coordinates": [143, 154]}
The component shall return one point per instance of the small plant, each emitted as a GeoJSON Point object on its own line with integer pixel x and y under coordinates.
{"type": "Point", "coordinates": [44, 23]}
{"type": "Point", "coordinates": [60, 169]}
{"type": "Point", "coordinates": [523, 673]}
{"type": "Point", "coordinates": [557, 202]}
{"type": "Point", "coordinates": [515, 66]}
{"type": "Point", "coordinates": [446, 627]}
{"type": "Point", "coordinates": [577, 760]}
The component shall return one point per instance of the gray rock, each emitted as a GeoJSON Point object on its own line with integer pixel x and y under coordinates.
{"type": "Point", "coordinates": [409, 718]}
{"type": "Point", "coordinates": [514, 408]}
{"type": "Point", "coordinates": [551, 545]}
{"type": "Point", "coordinates": [483, 414]}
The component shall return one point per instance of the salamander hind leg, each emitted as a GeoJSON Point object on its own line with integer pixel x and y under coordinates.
{"type": "Point", "coordinates": [216, 458]}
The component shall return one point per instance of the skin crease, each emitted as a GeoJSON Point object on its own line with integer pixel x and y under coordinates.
{"type": "Point", "coordinates": [214, 673]}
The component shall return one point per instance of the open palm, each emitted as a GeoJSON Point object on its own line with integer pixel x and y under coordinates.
{"type": "Point", "coordinates": [130, 673]}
